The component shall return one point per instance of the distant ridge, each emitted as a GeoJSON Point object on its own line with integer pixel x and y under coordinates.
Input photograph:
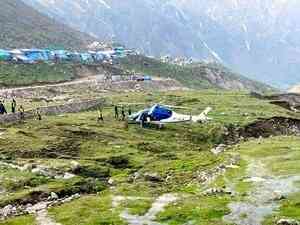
{"type": "Point", "coordinates": [23, 27]}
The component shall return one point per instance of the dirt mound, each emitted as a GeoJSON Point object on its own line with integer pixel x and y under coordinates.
{"type": "Point", "coordinates": [274, 126]}
{"type": "Point", "coordinates": [290, 101]}
{"type": "Point", "coordinates": [271, 127]}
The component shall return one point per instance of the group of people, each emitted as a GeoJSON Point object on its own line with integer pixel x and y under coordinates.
{"type": "Point", "coordinates": [123, 113]}
{"type": "Point", "coordinates": [119, 114]}
{"type": "Point", "coordinates": [13, 108]}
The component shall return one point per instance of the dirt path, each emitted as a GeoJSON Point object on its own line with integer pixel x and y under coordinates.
{"type": "Point", "coordinates": [68, 83]}
{"type": "Point", "coordinates": [148, 219]}
{"type": "Point", "coordinates": [42, 218]}
{"type": "Point", "coordinates": [263, 200]}
{"type": "Point", "coordinates": [83, 80]}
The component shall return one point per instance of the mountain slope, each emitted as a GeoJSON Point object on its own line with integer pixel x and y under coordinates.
{"type": "Point", "coordinates": [258, 38]}
{"type": "Point", "coordinates": [23, 27]}
{"type": "Point", "coordinates": [200, 75]}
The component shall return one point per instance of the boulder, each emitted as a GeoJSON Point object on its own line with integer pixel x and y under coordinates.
{"type": "Point", "coordinates": [153, 177]}
{"type": "Point", "coordinates": [53, 196]}
{"type": "Point", "coordinates": [287, 222]}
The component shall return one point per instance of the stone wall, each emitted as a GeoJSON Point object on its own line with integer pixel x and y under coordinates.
{"type": "Point", "coordinates": [54, 110]}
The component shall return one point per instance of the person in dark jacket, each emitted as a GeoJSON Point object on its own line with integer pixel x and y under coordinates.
{"type": "Point", "coordinates": [100, 116]}
{"type": "Point", "coordinates": [123, 114]}
{"type": "Point", "coordinates": [129, 111]}
{"type": "Point", "coordinates": [2, 108]}
{"type": "Point", "coordinates": [38, 114]}
{"type": "Point", "coordinates": [116, 112]}
{"type": "Point", "coordinates": [13, 105]}
{"type": "Point", "coordinates": [143, 119]}
{"type": "Point", "coordinates": [22, 112]}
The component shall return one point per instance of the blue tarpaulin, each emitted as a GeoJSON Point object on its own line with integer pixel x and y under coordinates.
{"type": "Point", "coordinates": [5, 55]}
{"type": "Point", "coordinates": [61, 54]}
{"type": "Point", "coordinates": [86, 57]}
{"type": "Point", "coordinates": [37, 54]}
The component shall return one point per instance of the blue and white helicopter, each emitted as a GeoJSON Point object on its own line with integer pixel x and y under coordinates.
{"type": "Point", "coordinates": [163, 114]}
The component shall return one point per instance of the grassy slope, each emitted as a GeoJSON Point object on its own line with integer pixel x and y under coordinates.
{"type": "Point", "coordinates": [13, 75]}
{"type": "Point", "coordinates": [194, 76]}
{"type": "Point", "coordinates": [281, 156]}
{"type": "Point", "coordinates": [178, 150]}
{"type": "Point", "coordinates": [23, 27]}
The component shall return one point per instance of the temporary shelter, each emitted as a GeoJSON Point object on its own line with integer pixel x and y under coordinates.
{"type": "Point", "coordinates": [86, 57]}
{"type": "Point", "coordinates": [61, 54]}
{"type": "Point", "coordinates": [5, 55]}
{"type": "Point", "coordinates": [37, 54]}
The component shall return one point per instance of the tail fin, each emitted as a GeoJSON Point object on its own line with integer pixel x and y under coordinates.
{"type": "Point", "coordinates": [203, 116]}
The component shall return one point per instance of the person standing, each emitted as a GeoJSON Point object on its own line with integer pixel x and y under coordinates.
{"type": "Point", "coordinates": [38, 114]}
{"type": "Point", "coordinates": [100, 116]}
{"type": "Point", "coordinates": [129, 111]}
{"type": "Point", "coordinates": [2, 108]}
{"type": "Point", "coordinates": [116, 112]}
{"type": "Point", "coordinates": [22, 112]}
{"type": "Point", "coordinates": [123, 114]}
{"type": "Point", "coordinates": [13, 106]}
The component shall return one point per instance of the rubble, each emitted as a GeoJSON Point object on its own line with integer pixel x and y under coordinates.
{"type": "Point", "coordinates": [215, 191]}
{"type": "Point", "coordinates": [210, 175]}
{"type": "Point", "coordinates": [17, 210]}
{"type": "Point", "coordinates": [287, 222]}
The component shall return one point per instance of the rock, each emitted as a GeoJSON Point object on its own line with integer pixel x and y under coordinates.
{"type": "Point", "coordinates": [214, 191]}
{"type": "Point", "coordinates": [53, 196]}
{"type": "Point", "coordinates": [153, 177]}
{"type": "Point", "coordinates": [287, 222]}
{"type": "Point", "coordinates": [7, 211]}
{"type": "Point", "coordinates": [75, 166]}
{"type": "Point", "coordinates": [76, 196]}
{"type": "Point", "coordinates": [37, 207]}
{"type": "Point", "coordinates": [111, 181]}
{"type": "Point", "coordinates": [68, 176]}
{"type": "Point", "coordinates": [219, 149]}
{"type": "Point", "coordinates": [277, 196]}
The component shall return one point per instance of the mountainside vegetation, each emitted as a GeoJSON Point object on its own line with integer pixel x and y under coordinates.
{"type": "Point", "coordinates": [23, 27]}
{"type": "Point", "coordinates": [200, 75]}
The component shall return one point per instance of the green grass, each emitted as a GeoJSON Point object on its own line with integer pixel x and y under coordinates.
{"type": "Point", "coordinates": [196, 210]}
{"type": "Point", "coordinates": [281, 155]}
{"type": "Point", "coordinates": [24, 75]}
{"type": "Point", "coordinates": [22, 220]}
{"type": "Point", "coordinates": [179, 151]}
{"type": "Point", "coordinates": [91, 210]}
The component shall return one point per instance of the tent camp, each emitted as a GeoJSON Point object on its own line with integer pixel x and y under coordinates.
{"type": "Point", "coordinates": [61, 55]}
{"type": "Point", "coordinates": [37, 54]}
{"type": "Point", "coordinates": [75, 57]}
{"type": "Point", "coordinates": [5, 55]}
{"type": "Point", "coordinates": [86, 57]}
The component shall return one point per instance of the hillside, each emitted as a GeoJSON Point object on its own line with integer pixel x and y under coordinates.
{"type": "Point", "coordinates": [257, 38]}
{"type": "Point", "coordinates": [23, 27]}
{"type": "Point", "coordinates": [200, 75]}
